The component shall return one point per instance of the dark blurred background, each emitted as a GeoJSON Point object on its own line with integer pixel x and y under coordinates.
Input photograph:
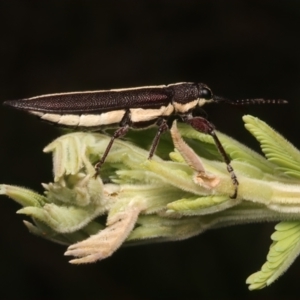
{"type": "Point", "coordinates": [241, 49]}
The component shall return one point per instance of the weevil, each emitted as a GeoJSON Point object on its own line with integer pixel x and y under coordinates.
{"type": "Point", "coordinates": [137, 108]}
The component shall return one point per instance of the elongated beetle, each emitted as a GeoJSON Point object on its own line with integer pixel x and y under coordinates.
{"type": "Point", "coordinates": [134, 108]}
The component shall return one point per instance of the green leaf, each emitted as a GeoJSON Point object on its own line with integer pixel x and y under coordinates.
{"type": "Point", "coordinates": [201, 205]}
{"type": "Point", "coordinates": [276, 148]}
{"type": "Point", "coordinates": [282, 253]}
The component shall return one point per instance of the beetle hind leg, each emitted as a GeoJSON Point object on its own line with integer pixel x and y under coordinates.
{"type": "Point", "coordinates": [120, 132]}
{"type": "Point", "coordinates": [162, 127]}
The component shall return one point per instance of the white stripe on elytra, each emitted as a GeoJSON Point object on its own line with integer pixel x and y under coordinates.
{"type": "Point", "coordinates": [108, 118]}
{"type": "Point", "coordinates": [113, 117]}
{"type": "Point", "coordinates": [141, 115]}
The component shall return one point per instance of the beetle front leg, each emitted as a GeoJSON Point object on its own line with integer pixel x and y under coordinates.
{"type": "Point", "coordinates": [203, 125]}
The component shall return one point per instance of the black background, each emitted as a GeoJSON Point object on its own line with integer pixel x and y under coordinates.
{"type": "Point", "coordinates": [241, 49]}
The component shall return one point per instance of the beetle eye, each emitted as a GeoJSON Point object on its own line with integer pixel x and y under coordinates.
{"type": "Point", "coordinates": [206, 93]}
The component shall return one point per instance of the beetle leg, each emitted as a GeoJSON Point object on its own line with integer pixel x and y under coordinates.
{"type": "Point", "coordinates": [120, 132]}
{"type": "Point", "coordinates": [162, 127]}
{"type": "Point", "coordinates": [203, 125]}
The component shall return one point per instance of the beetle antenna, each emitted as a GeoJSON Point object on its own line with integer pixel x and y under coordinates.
{"type": "Point", "coordinates": [259, 101]}
{"type": "Point", "coordinates": [218, 99]}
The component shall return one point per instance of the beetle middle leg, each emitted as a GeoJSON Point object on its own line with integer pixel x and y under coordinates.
{"type": "Point", "coordinates": [163, 126]}
{"type": "Point", "coordinates": [203, 125]}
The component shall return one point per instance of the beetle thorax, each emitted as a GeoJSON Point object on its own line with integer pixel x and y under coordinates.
{"type": "Point", "coordinates": [185, 97]}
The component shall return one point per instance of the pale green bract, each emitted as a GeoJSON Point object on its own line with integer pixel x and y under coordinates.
{"type": "Point", "coordinates": [163, 200]}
